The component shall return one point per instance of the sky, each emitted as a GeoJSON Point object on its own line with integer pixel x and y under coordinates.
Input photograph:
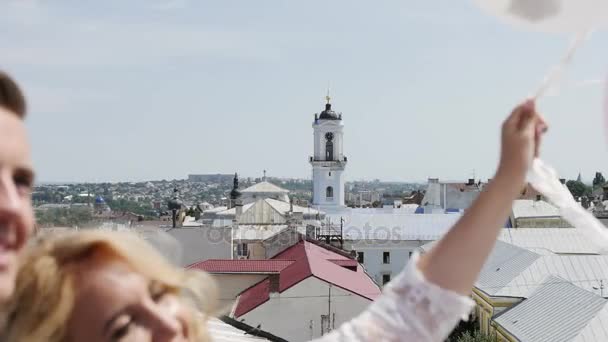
{"type": "Point", "coordinates": [130, 90]}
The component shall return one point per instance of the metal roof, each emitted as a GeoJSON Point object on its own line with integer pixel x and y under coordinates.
{"type": "Point", "coordinates": [555, 240]}
{"type": "Point", "coordinates": [392, 225]}
{"type": "Point", "coordinates": [558, 311]}
{"type": "Point", "coordinates": [597, 329]}
{"type": "Point", "coordinates": [534, 209]}
{"type": "Point", "coordinates": [585, 271]}
{"type": "Point", "coordinates": [266, 210]}
{"type": "Point", "coordinates": [504, 264]}
{"type": "Point", "coordinates": [264, 187]}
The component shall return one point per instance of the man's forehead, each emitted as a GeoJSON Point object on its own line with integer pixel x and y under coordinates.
{"type": "Point", "coordinates": [14, 146]}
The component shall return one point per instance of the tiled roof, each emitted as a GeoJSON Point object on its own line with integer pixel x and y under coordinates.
{"type": "Point", "coordinates": [310, 260]}
{"type": "Point", "coordinates": [557, 312]}
{"type": "Point", "coordinates": [246, 266]}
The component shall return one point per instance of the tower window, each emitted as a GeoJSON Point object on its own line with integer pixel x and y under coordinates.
{"type": "Point", "coordinates": [329, 173]}
{"type": "Point", "coordinates": [329, 192]}
{"type": "Point", "coordinates": [329, 150]}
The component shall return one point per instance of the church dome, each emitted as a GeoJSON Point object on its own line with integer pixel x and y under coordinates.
{"type": "Point", "coordinates": [329, 114]}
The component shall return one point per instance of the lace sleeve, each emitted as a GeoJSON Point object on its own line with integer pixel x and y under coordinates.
{"type": "Point", "coordinates": [410, 309]}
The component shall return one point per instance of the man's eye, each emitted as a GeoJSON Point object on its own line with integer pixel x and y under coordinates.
{"type": "Point", "coordinates": [23, 181]}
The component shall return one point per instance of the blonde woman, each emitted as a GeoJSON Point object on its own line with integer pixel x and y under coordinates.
{"type": "Point", "coordinates": [105, 286]}
{"type": "Point", "coordinates": [99, 287]}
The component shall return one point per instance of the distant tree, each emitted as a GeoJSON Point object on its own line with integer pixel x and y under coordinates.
{"type": "Point", "coordinates": [599, 180]}
{"type": "Point", "coordinates": [578, 189]}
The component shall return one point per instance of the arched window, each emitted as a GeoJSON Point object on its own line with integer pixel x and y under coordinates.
{"type": "Point", "coordinates": [329, 150]}
{"type": "Point", "coordinates": [329, 192]}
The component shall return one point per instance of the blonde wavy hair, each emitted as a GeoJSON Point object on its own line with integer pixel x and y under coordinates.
{"type": "Point", "coordinates": [45, 288]}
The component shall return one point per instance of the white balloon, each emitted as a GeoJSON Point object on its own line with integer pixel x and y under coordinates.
{"type": "Point", "coordinates": [550, 15]}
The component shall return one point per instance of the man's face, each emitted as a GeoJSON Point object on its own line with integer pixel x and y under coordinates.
{"type": "Point", "coordinates": [16, 215]}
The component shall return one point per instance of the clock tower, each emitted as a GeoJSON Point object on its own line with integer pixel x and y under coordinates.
{"type": "Point", "coordinates": [328, 161]}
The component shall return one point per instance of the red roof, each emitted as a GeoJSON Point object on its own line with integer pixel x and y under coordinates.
{"type": "Point", "coordinates": [246, 266]}
{"type": "Point", "coordinates": [309, 260]}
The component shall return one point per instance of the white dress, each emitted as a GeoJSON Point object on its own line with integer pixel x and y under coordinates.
{"type": "Point", "coordinates": [410, 309]}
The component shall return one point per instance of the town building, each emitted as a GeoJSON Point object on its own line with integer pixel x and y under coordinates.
{"type": "Point", "coordinates": [303, 292]}
{"type": "Point", "coordinates": [442, 197]}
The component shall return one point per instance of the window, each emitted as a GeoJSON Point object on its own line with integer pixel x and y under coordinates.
{"type": "Point", "coordinates": [329, 150]}
{"type": "Point", "coordinates": [360, 257]}
{"type": "Point", "coordinates": [385, 279]}
{"type": "Point", "coordinates": [329, 173]}
{"type": "Point", "coordinates": [329, 192]}
{"type": "Point", "coordinates": [386, 257]}
{"type": "Point", "coordinates": [411, 254]}
{"type": "Point", "coordinates": [241, 249]}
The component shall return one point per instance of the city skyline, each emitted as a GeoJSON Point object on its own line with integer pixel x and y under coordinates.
{"type": "Point", "coordinates": [151, 90]}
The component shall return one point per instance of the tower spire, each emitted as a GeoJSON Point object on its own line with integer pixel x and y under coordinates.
{"type": "Point", "coordinates": [327, 97]}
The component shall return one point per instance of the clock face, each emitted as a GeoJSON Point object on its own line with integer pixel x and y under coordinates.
{"type": "Point", "coordinates": [329, 136]}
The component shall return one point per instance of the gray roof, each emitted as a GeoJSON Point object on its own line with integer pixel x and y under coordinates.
{"type": "Point", "coordinates": [585, 271]}
{"type": "Point", "coordinates": [505, 263]}
{"type": "Point", "coordinates": [558, 311]}
{"type": "Point", "coordinates": [534, 209]}
{"type": "Point", "coordinates": [393, 225]}
{"type": "Point", "coordinates": [596, 329]}
{"type": "Point", "coordinates": [264, 187]}
{"type": "Point", "coordinates": [554, 240]}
